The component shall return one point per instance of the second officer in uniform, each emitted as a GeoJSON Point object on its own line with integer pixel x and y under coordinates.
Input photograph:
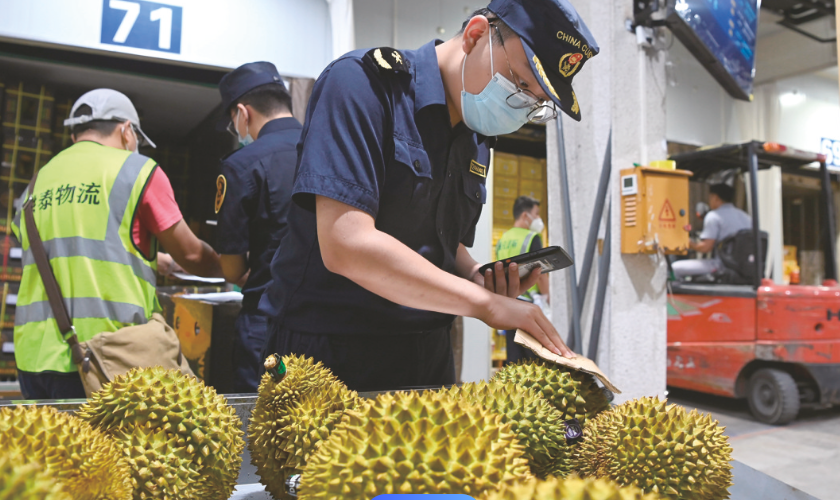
{"type": "Point", "coordinates": [253, 194]}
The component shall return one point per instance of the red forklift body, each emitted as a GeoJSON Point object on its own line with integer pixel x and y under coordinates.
{"type": "Point", "coordinates": [726, 339]}
{"type": "Point", "coordinates": [718, 335]}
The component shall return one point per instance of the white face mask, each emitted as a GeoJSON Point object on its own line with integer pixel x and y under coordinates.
{"type": "Point", "coordinates": [537, 225]}
{"type": "Point", "coordinates": [247, 139]}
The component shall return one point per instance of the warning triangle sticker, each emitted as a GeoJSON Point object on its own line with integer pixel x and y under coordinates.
{"type": "Point", "coordinates": [667, 213]}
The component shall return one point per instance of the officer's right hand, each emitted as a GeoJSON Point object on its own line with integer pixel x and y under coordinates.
{"type": "Point", "coordinates": [505, 313]}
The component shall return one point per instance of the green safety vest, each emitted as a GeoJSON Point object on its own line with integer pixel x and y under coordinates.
{"type": "Point", "coordinates": [517, 241]}
{"type": "Point", "coordinates": [85, 203]}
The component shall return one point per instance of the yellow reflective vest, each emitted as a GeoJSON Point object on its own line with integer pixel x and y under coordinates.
{"type": "Point", "coordinates": [517, 241]}
{"type": "Point", "coordinates": [86, 201]}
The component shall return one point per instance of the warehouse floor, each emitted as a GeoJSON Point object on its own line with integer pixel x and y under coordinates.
{"type": "Point", "coordinates": [804, 454]}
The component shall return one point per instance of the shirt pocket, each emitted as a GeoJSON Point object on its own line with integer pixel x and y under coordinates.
{"type": "Point", "coordinates": [475, 188]}
{"type": "Point", "coordinates": [413, 156]}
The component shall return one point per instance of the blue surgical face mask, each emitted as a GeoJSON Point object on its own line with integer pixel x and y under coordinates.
{"type": "Point", "coordinates": [488, 113]}
{"type": "Point", "coordinates": [247, 139]}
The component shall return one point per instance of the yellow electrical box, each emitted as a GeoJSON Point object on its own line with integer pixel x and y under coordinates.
{"type": "Point", "coordinates": [654, 211]}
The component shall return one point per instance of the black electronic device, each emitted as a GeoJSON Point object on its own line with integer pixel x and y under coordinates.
{"type": "Point", "coordinates": [548, 258]}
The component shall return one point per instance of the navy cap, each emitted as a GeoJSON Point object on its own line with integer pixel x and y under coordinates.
{"type": "Point", "coordinates": [244, 79]}
{"type": "Point", "coordinates": [556, 41]}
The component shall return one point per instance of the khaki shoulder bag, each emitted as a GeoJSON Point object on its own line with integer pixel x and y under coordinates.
{"type": "Point", "coordinates": [108, 354]}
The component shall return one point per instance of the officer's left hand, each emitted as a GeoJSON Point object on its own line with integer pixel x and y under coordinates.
{"type": "Point", "coordinates": [510, 285]}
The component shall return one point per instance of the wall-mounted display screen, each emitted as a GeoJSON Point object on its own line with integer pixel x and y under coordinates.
{"type": "Point", "coordinates": [721, 35]}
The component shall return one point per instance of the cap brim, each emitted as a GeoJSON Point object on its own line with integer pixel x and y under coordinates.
{"type": "Point", "coordinates": [553, 85]}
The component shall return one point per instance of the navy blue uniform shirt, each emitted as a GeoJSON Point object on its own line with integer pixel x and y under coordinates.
{"type": "Point", "coordinates": [252, 217]}
{"type": "Point", "coordinates": [379, 141]}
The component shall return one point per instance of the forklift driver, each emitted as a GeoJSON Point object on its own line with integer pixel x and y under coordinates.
{"type": "Point", "coordinates": [723, 221]}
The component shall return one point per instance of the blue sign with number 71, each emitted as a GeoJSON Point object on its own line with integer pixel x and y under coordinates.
{"type": "Point", "coordinates": [142, 25]}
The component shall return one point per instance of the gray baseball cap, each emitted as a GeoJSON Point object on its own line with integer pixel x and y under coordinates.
{"type": "Point", "coordinates": [110, 105]}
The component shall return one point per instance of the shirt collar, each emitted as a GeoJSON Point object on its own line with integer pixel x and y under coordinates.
{"type": "Point", "coordinates": [428, 84]}
{"type": "Point", "coordinates": [278, 125]}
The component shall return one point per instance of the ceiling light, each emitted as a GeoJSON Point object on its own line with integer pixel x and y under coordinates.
{"type": "Point", "coordinates": [792, 98]}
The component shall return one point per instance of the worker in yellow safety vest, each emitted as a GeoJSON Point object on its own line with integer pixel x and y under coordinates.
{"type": "Point", "coordinates": [101, 209]}
{"type": "Point", "coordinates": [523, 237]}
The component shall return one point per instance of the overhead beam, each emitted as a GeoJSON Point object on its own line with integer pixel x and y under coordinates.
{"type": "Point", "coordinates": [787, 53]}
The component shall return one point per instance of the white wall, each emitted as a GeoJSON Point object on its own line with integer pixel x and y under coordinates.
{"type": "Point", "coordinates": [417, 21]}
{"type": "Point", "coordinates": [802, 125]}
{"type": "Point", "coordinates": [700, 112]}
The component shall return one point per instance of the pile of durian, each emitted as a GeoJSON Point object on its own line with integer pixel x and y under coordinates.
{"type": "Point", "coordinates": [149, 434]}
{"type": "Point", "coordinates": [515, 437]}
{"type": "Point", "coordinates": [536, 431]}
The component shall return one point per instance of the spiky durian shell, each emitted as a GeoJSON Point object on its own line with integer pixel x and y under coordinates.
{"type": "Point", "coordinates": [414, 443]}
{"type": "Point", "coordinates": [292, 417]}
{"type": "Point", "coordinates": [660, 448]}
{"type": "Point", "coordinates": [27, 481]}
{"type": "Point", "coordinates": [88, 463]}
{"type": "Point", "coordinates": [538, 425]}
{"type": "Point", "coordinates": [571, 488]}
{"type": "Point", "coordinates": [574, 393]}
{"type": "Point", "coordinates": [173, 430]}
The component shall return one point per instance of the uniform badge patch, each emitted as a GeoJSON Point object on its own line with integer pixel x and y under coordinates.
{"type": "Point", "coordinates": [478, 168]}
{"type": "Point", "coordinates": [221, 190]}
{"type": "Point", "coordinates": [570, 63]}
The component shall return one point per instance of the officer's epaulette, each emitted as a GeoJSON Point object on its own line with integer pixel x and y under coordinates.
{"type": "Point", "coordinates": [387, 60]}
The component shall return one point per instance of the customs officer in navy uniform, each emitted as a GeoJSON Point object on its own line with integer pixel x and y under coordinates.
{"type": "Point", "coordinates": [390, 183]}
{"type": "Point", "coordinates": [252, 199]}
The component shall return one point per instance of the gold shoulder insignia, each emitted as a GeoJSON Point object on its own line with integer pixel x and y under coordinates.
{"type": "Point", "coordinates": [221, 191]}
{"type": "Point", "coordinates": [387, 60]}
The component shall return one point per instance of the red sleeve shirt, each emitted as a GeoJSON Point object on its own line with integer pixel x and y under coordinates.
{"type": "Point", "coordinates": [156, 213]}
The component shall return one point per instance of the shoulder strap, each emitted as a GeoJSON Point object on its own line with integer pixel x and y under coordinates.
{"type": "Point", "coordinates": [387, 61]}
{"type": "Point", "coordinates": [56, 300]}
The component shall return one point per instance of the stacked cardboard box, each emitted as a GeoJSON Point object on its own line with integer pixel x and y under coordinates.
{"type": "Point", "coordinates": [27, 112]}
{"type": "Point", "coordinates": [514, 176]}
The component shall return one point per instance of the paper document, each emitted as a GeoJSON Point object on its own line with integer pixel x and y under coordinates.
{"type": "Point", "coordinates": [580, 363]}
{"type": "Point", "coordinates": [192, 277]}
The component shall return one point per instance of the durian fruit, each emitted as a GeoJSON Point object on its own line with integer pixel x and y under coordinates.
{"type": "Point", "coordinates": [574, 393]}
{"type": "Point", "coordinates": [181, 439]}
{"type": "Point", "coordinates": [538, 425]}
{"type": "Point", "coordinates": [27, 481]}
{"type": "Point", "coordinates": [660, 448]}
{"type": "Point", "coordinates": [571, 488]}
{"type": "Point", "coordinates": [413, 443]}
{"type": "Point", "coordinates": [291, 418]}
{"type": "Point", "coordinates": [86, 461]}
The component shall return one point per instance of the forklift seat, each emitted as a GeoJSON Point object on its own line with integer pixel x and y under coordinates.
{"type": "Point", "coordinates": [737, 253]}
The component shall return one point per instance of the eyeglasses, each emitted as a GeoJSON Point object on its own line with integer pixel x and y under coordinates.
{"type": "Point", "coordinates": [231, 129]}
{"type": "Point", "coordinates": [541, 111]}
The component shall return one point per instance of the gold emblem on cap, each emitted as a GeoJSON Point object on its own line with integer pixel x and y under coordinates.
{"type": "Point", "coordinates": [540, 70]}
{"type": "Point", "coordinates": [570, 63]}
{"type": "Point", "coordinates": [221, 190]}
{"type": "Point", "coordinates": [575, 106]}
{"type": "Point", "coordinates": [377, 54]}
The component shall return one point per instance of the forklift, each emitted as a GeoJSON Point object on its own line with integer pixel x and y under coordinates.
{"type": "Point", "coordinates": [743, 336]}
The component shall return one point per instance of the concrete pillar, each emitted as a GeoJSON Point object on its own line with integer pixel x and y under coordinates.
{"type": "Point", "coordinates": [622, 89]}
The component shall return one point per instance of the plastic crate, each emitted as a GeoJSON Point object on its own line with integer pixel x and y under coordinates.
{"type": "Point", "coordinates": [503, 211]}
